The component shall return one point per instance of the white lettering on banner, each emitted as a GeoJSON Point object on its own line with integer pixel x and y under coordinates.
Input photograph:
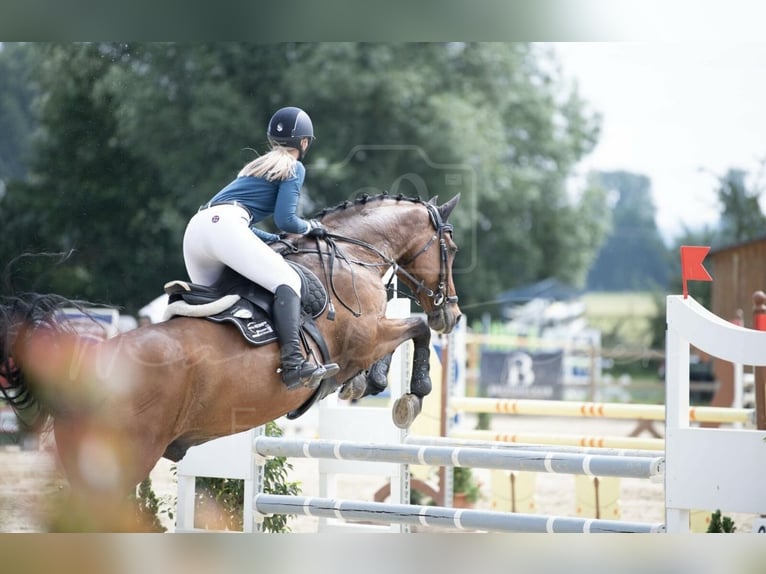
{"type": "Point", "coordinates": [519, 370]}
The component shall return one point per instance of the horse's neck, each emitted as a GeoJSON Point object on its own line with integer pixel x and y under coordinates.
{"type": "Point", "coordinates": [390, 229]}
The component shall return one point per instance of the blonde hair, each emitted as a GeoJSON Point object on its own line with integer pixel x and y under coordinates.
{"type": "Point", "coordinates": [277, 165]}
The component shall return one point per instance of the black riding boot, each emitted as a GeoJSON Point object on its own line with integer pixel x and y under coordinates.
{"type": "Point", "coordinates": [296, 370]}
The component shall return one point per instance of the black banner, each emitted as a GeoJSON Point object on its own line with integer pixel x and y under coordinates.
{"type": "Point", "coordinates": [521, 374]}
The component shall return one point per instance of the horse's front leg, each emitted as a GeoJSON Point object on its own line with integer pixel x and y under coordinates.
{"type": "Point", "coordinates": [370, 382]}
{"type": "Point", "coordinates": [409, 405]}
{"type": "Point", "coordinates": [372, 377]}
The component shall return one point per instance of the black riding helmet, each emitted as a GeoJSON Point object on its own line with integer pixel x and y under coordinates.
{"type": "Point", "coordinates": [288, 126]}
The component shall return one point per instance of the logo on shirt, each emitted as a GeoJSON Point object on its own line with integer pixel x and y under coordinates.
{"type": "Point", "coordinates": [215, 219]}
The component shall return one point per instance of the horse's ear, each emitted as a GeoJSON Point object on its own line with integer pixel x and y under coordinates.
{"type": "Point", "coordinates": [433, 200]}
{"type": "Point", "coordinates": [446, 209]}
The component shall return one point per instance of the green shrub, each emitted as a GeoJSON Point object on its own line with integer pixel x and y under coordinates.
{"type": "Point", "coordinates": [219, 501]}
{"type": "Point", "coordinates": [719, 524]}
{"type": "Point", "coordinates": [464, 481]}
{"type": "Point", "coordinates": [147, 507]}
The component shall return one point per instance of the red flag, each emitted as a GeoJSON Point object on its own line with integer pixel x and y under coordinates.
{"type": "Point", "coordinates": [691, 265]}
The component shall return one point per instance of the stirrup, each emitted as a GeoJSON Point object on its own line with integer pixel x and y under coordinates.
{"type": "Point", "coordinates": [311, 380]}
{"type": "Point", "coordinates": [321, 372]}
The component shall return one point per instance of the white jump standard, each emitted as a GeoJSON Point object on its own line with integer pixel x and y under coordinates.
{"type": "Point", "coordinates": [710, 469]}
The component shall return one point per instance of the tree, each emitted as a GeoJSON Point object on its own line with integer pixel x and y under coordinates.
{"type": "Point", "coordinates": [741, 215]}
{"type": "Point", "coordinates": [633, 257]}
{"type": "Point", "coordinates": [89, 193]}
{"type": "Point", "coordinates": [137, 136]}
{"type": "Point", "coordinates": [492, 121]}
{"type": "Point", "coordinates": [17, 121]}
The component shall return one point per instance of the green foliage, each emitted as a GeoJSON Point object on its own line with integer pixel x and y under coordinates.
{"type": "Point", "coordinates": [88, 192]}
{"type": "Point", "coordinates": [719, 524]}
{"type": "Point", "coordinates": [464, 481]}
{"type": "Point", "coordinates": [483, 421]}
{"type": "Point", "coordinates": [219, 501]}
{"type": "Point", "coordinates": [275, 482]}
{"type": "Point", "coordinates": [741, 217]}
{"type": "Point", "coordinates": [135, 136]}
{"type": "Point", "coordinates": [148, 508]}
{"type": "Point", "coordinates": [17, 121]}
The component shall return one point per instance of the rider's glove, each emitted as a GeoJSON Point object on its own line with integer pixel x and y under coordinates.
{"type": "Point", "coordinates": [316, 229]}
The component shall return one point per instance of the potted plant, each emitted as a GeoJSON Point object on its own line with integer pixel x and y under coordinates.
{"type": "Point", "coordinates": [720, 523]}
{"type": "Point", "coordinates": [466, 490]}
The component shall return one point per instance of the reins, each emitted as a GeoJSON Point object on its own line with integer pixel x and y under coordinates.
{"type": "Point", "coordinates": [333, 252]}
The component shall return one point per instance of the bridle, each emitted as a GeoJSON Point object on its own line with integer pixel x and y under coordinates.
{"type": "Point", "coordinates": [439, 297]}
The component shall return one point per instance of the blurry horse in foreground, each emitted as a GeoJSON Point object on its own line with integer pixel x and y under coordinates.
{"type": "Point", "coordinates": [120, 405]}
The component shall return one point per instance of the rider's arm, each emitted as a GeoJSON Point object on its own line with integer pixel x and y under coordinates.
{"type": "Point", "coordinates": [285, 210]}
{"type": "Point", "coordinates": [264, 235]}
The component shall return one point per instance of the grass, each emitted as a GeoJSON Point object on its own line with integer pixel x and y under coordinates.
{"type": "Point", "coordinates": [624, 319]}
{"type": "Point", "coordinates": [625, 322]}
{"type": "Point", "coordinates": [616, 305]}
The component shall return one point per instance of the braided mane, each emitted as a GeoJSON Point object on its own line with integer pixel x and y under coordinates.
{"type": "Point", "coordinates": [364, 199]}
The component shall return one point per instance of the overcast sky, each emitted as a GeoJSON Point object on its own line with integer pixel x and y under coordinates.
{"type": "Point", "coordinates": [678, 113]}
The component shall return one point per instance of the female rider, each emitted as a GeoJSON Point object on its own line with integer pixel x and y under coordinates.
{"type": "Point", "coordinates": [220, 236]}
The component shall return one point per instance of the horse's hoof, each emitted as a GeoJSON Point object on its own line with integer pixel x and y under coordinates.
{"type": "Point", "coordinates": [406, 408]}
{"type": "Point", "coordinates": [353, 389]}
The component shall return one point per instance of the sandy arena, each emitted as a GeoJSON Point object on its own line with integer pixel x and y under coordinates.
{"type": "Point", "coordinates": [30, 478]}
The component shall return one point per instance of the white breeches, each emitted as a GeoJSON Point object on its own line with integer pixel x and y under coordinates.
{"type": "Point", "coordinates": [219, 237]}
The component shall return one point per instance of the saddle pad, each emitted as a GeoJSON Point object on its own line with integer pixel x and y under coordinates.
{"type": "Point", "coordinates": [252, 321]}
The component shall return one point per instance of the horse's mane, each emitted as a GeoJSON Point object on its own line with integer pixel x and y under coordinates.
{"type": "Point", "coordinates": [364, 199]}
{"type": "Point", "coordinates": [20, 314]}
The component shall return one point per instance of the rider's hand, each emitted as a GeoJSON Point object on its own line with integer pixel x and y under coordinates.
{"type": "Point", "coordinates": [316, 229]}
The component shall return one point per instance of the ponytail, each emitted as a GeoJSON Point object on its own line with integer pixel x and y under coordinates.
{"type": "Point", "coordinates": [277, 165]}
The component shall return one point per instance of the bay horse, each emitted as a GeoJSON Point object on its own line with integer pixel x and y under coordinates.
{"type": "Point", "coordinates": [120, 405]}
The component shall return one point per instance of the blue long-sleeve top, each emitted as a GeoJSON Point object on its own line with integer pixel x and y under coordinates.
{"type": "Point", "coordinates": [264, 198]}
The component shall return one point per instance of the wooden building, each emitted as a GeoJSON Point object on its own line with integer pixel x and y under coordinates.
{"type": "Point", "coordinates": [738, 271]}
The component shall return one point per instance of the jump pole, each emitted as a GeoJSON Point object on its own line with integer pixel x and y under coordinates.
{"type": "Point", "coordinates": [439, 516]}
{"type": "Point", "coordinates": [594, 410]}
{"type": "Point", "coordinates": [585, 441]}
{"type": "Point", "coordinates": [496, 445]}
{"type": "Point", "coordinates": [448, 456]}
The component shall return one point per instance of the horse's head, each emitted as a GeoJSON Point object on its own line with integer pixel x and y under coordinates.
{"type": "Point", "coordinates": [426, 268]}
{"type": "Point", "coordinates": [410, 235]}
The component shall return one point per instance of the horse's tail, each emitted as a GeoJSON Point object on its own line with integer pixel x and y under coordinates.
{"type": "Point", "coordinates": [20, 316]}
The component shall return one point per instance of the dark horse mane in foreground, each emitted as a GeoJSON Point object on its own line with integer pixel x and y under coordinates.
{"type": "Point", "coordinates": [120, 405]}
{"type": "Point", "coordinates": [20, 315]}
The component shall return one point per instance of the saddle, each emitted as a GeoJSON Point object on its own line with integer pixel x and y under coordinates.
{"type": "Point", "coordinates": [237, 300]}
